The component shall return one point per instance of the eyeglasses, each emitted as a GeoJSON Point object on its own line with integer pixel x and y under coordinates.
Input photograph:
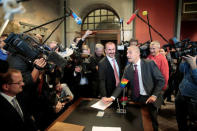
{"type": "Point", "coordinates": [18, 83]}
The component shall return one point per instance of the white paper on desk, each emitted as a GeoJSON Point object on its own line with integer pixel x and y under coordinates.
{"type": "Point", "coordinates": [98, 128]}
{"type": "Point", "coordinates": [100, 105]}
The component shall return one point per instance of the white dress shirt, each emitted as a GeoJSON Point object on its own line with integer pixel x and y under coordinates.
{"type": "Point", "coordinates": [9, 99]}
{"type": "Point", "coordinates": [112, 64]}
{"type": "Point", "coordinates": [142, 90]}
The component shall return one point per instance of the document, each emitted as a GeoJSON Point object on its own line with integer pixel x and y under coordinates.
{"type": "Point", "coordinates": [100, 105]}
{"type": "Point", "coordinates": [98, 128]}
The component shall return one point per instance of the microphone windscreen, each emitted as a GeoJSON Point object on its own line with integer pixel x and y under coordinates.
{"type": "Point", "coordinates": [145, 13]}
{"type": "Point", "coordinates": [132, 17]}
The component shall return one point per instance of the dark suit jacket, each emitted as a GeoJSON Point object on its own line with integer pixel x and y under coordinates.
{"type": "Point", "coordinates": [107, 81]}
{"type": "Point", "coordinates": [153, 80]}
{"type": "Point", "coordinates": [10, 119]}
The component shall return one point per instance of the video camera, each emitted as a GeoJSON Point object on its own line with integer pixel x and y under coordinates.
{"type": "Point", "coordinates": [182, 48]}
{"type": "Point", "coordinates": [29, 49]}
{"type": "Point", "coordinates": [144, 48]}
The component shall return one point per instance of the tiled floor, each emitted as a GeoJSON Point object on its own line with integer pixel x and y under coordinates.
{"type": "Point", "coordinates": [166, 118]}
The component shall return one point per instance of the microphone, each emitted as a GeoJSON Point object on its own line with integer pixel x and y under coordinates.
{"type": "Point", "coordinates": [76, 18]}
{"type": "Point", "coordinates": [124, 99]}
{"type": "Point", "coordinates": [145, 13]}
{"type": "Point", "coordinates": [132, 17]}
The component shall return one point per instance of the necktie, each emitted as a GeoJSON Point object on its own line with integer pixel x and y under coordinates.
{"type": "Point", "coordinates": [16, 106]}
{"type": "Point", "coordinates": [116, 73]}
{"type": "Point", "coordinates": [136, 83]}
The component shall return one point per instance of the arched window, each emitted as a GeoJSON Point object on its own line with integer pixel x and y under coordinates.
{"type": "Point", "coordinates": [101, 19]}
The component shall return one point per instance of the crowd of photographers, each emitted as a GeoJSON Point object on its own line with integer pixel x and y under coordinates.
{"type": "Point", "coordinates": [52, 81]}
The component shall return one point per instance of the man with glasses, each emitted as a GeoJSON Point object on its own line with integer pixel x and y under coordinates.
{"type": "Point", "coordinates": [13, 113]}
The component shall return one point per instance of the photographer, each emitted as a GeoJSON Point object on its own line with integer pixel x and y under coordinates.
{"type": "Point", "coordinates": [63, 94]}
{"type": "Point", "coordinates": [83, 74]}
{"type": "Point", "coordinates": [187, 94]}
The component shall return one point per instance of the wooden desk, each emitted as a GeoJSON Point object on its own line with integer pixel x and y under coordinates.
{"type": "Point", "coordinates": [80, 113]}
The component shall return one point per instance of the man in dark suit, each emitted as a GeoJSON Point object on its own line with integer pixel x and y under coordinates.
{"type": "Point", "coordinates": [150, 83]}
{"type": "Point", "coordinates": [13, 113]}
{"type": "Point", "coordinates": [109, 71]}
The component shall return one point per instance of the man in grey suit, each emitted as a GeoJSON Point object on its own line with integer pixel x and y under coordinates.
{"type": "Point", "coordinates": [150, 83]}
{"type": "Point", "coordinates": [109, 71]}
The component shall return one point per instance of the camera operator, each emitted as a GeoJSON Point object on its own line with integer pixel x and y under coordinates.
{"type": "Point", "coordinates": [73, 62]}
{"type": "Point", "coordinates": [187, 94]}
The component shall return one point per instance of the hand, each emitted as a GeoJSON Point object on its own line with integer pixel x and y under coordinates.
{"type": "Point", "coordinates": [40, 62]}
{"type": "Point", "coordinates": [191, 60]}
{"type": "Point", "coordinates": [88, 32]}
{"type": "Point", "coordinates": [97, 68]}
{"type": "Point", "coordinates": [77, 69]}
{"type": "Point", "coordinates": [59, 106]}
{"type": "Point", "coordinates": [151, 99]}
{"type": "Point", "coordinates": [106, 100]}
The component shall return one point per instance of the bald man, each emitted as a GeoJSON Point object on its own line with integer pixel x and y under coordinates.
{"type": "Point", "coordinates": [150, 83]}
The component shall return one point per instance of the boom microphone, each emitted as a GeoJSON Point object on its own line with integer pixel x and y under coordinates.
{"type": "Point", "coordinates": [132, 17]}
{"type": "Point", "coordinates": [76, 18]}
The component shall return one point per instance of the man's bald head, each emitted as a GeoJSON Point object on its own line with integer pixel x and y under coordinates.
{"type": "Point", "coordinates": [133, 54]}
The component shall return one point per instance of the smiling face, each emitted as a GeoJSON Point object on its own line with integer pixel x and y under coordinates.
{"type": "Point", "coordinates": [110, 49]}
{"type": "Point", "coordinates": [154, 48]}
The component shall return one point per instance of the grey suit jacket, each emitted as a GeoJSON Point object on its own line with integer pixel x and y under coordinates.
{"type": "Point", "coordinates": [153, 80]}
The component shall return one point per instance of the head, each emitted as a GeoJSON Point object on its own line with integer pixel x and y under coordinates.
{"type": "Point", "coordinates": [57, 85]}
{"type": "Point", "coordinates": [154, 48]}
{"type": "Point", "coordinates": [110, 49]}
{"type": "Point", "coordinates": [85, 49]}
{"type": "Point", "coordinates": [2, 38]}
{"type": "Point", "coordinates": [53, 45]}
{"type": "Point", "coordinates": [39, 37]}
{"type": "Point", "coordinates": [133, 42]}
{"type": "Point", "coordinates": [12, 82]}
{"type": "Point", "coordinates": [163, 51]}
{"type": "Point", "coordinates": [133, 54]}
{"type": "Point", "coordinates": [99, 49]}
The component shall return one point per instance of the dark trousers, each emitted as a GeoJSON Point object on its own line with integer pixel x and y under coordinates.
{"type": "Point", "coordinates": [152, 110]}
{"type": "Point", "coordinates": [182, 106]}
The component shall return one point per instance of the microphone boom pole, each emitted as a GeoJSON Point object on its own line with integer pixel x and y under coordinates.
{"type": "Point", "coordinates": [149, 29]}
{"type": "Point", "coordinates": [152, 28]}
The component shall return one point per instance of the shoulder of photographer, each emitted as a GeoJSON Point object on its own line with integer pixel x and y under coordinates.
{"type": "Point", "coordinates": [191, 60]}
